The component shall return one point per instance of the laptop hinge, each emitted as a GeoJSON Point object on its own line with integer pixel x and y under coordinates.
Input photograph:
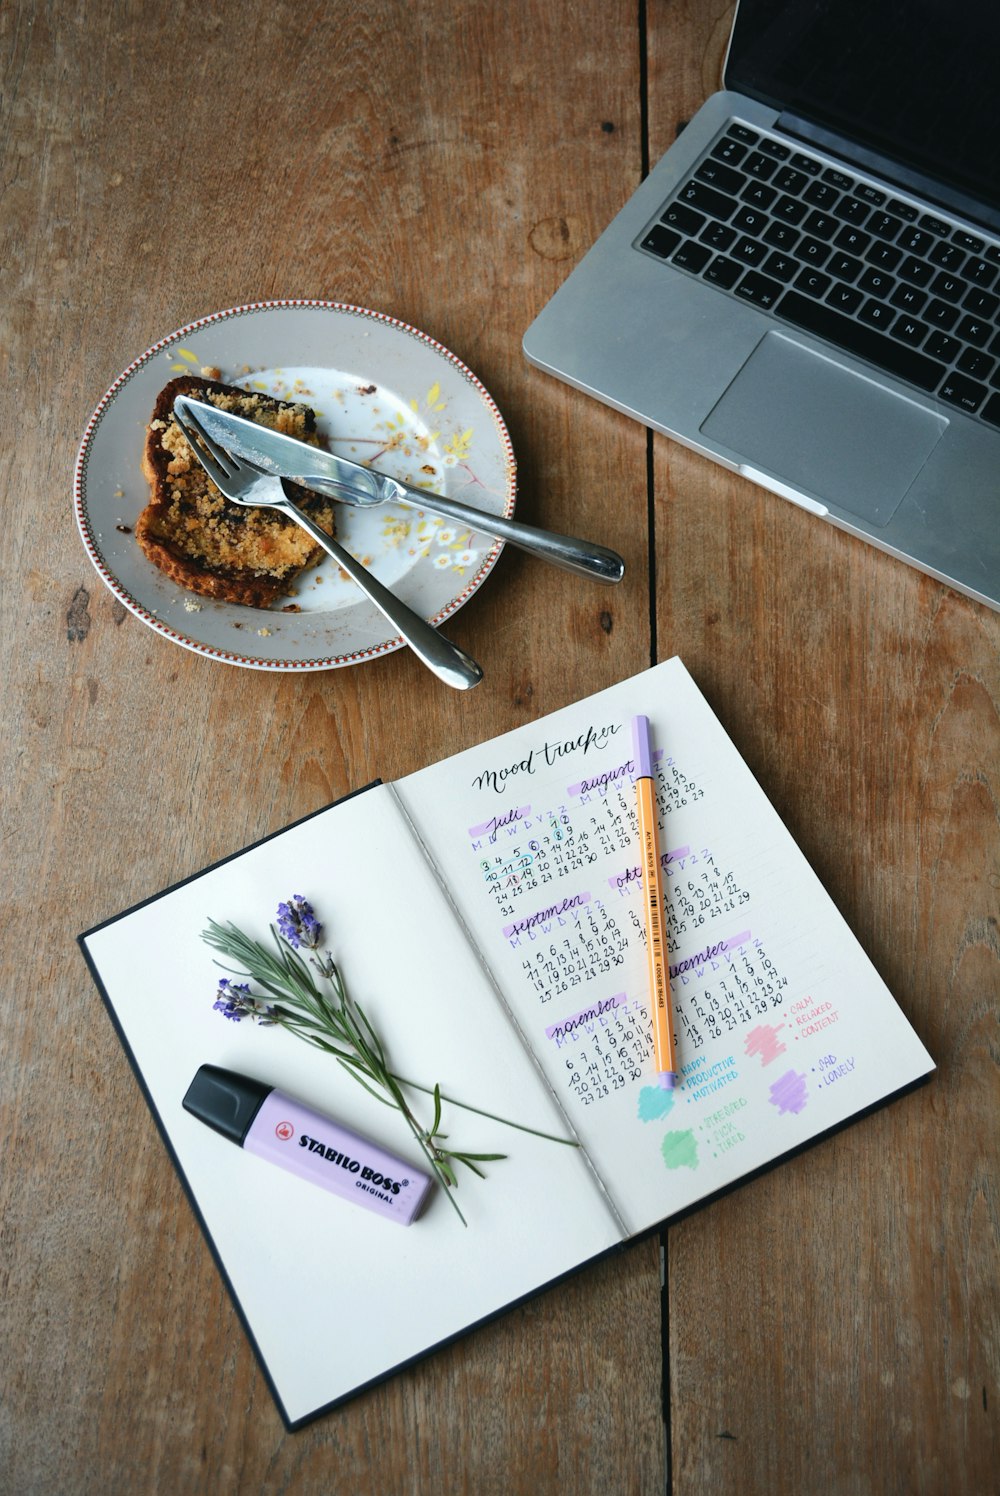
{"type": "Point", "coordinates": [890, 171]}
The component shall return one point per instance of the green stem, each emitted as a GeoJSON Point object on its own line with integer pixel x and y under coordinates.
{"type": "Point", "coordinates": [505, 1121]}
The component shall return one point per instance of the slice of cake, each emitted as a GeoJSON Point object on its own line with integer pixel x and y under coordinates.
{"type": "Point", "coordinates": [200, 539]}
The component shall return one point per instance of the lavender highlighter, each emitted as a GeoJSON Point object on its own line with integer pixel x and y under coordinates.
{"type": "Point", "coordinates": [263, 1120]}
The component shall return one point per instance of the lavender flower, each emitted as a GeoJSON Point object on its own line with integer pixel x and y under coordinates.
{"type": "Point", "coordinates": [312, 1002]}
{"type": "Point", "coordinates": [298, 924]}
{"type": "Point", "coordinates": [235, 1000]}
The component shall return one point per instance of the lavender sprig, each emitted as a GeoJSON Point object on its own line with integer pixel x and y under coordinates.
{"type": "Point", "coordinates": [324, 1015]}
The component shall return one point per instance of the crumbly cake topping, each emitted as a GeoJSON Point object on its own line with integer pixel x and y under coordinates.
{"type": "Point", "coordinates": [215, 534]}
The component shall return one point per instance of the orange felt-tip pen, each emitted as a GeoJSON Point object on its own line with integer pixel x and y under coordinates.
{"type": "Point", "coordinates": [659, 979]}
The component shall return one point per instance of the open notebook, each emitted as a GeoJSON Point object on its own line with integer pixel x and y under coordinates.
{"type": "Point", "coordinates": [487, 913]}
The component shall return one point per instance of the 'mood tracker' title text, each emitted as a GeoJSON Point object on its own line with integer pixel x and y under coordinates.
{"type": "Point", "coordinates": [594, 740]}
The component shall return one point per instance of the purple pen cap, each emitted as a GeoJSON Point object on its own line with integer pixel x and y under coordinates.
{"type": "Point", "coordinates": [641, 751]}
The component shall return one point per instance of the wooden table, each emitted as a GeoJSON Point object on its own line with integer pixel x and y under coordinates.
{"type": "Point", "coordinates": [831, 1327]}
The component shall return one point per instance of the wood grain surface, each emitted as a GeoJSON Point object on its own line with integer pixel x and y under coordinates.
{"type": "Point", "coordinates": [829, 1328]}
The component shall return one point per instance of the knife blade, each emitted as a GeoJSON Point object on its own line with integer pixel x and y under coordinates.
{"type": "Point", "coordinates": [352, 483]}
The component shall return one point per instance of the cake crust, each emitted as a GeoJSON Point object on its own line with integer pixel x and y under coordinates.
{"type": "Point", "coordinates": [196, 536]}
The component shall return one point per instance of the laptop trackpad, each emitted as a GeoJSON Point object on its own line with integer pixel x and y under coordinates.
{"type": "Point", "coordinates": [815, 426]}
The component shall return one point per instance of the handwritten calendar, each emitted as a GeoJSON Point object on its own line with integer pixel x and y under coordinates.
{"type": "Point", "coordinates": [536, 835]}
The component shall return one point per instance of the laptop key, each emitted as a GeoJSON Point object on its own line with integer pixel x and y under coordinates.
{"type": "Point", "coordinates": [821, 195]}
{"type": "Point", "coordinates": [854, 337]}
{"type": "Point", "coordinates": [948, 286]}
{"type": "Point", "coordinates": [813, 282]}
{"type": "Point", "coordinates": [909, 299]}
{"type": "Point", "coordinates": [876, 282]}
{"type": "Point", "coordinates": [750, 221]}
{"type": "Point", "coordinates": [991, 410]}
{"type": "Point", "coordinates": [812, 252]}
{"type": "Point", "coordinates": [884, 226]}
{"type": "Point", "coordinates": [948, 256]}
{"type": "Point", "coordinates": [729, 150]}
{"type": "Point", "coordinates": [981, 303]}
{"type": "Point", "coordinates": [781, 236]}
{"type": "Point", "coordinates": [974, 330]}
{"type": "Point", "coordinates": [967, 394]}
{"type": "Point", "coordinates": [909, 330]}
{"type": "Point", "coordinates": [717, 174]}
{"type": "Point", "coordinates": [981, 272]}
{"type": "Point", "coordinates": [684, 220]}
{"type": "Point", "coordinates": [717, 235]}
{"type": "Point", "coordinates": [760, 289]}
{"type": "Point", "coordinates": [708, 200]}
{"type": "Point", "coordinates": [877, 314]}
{"type": "Point", "coordinates": [757, 165]}
{"type": "Point", "coordinates": [821, 225]}
{"type": "Point", "coordinates": [788, 180]}
{"type": "Point", "coordinates": [975, 363]}
{"type": "Point", "coordinates": [915, 241]}
{"type": "Point", "coordinates": [723, 272]}
{"type": "Point", "coordinates": [940, 314]}
{"type": "Point", "coordinates": [790, 210]}
{"type": "Point", "coordinates": [782, 267]}
{"type": "Point", "coordinates": [934, 225]}
{"type": "Point", "coordinates": [758, 194]}
{"type": "Point", "coordinates": [886, 256]}
{"type": "Point", "coordinates": [844, 267]}
{"type": "Point", "coordinates": [941, 345]}
{"type": "Point", "coordinates": [845, 298]}
{"type": "Point", "coordinates": [852, 239]}
{"type": "Point", "coordinates": [749, 251]}
{"type": "Point", "coordinates": [691, 256]}
{"type": "Point", "coordinates": [917, 271]}
{"type": "Point", "coordinates": [852, 210]}
{"type": "Point", "coordinates": [661, 241]}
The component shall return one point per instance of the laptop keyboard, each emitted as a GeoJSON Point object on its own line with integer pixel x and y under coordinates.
{"type": "Point", "coordinates": [836, 256]}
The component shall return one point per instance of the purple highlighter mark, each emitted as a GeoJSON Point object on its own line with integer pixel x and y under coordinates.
{"type": "Point", "coordinates": [699, 962]}
{"type": "Point", "coordinates": [586, 1017]}
{"type": "Point", "coordinates": [497, 823]}
{"type": "Point", "coordinates": [789, 1093]}
{"type": "Point", "coordinates": [603, 782]}
{"type": "Point", "coordinates": [544, 917]}
{"type": "Point", "coordinates": [764, 1041]}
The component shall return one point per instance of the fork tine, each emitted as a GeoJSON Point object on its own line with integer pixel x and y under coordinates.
{"type": "Point", "coordinates": [212, 457]}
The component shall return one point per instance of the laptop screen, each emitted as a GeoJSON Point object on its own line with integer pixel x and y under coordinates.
{"type": "Point", "coordinates": [914, 80]}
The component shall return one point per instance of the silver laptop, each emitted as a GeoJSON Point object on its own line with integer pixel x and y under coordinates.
{"type": "Point", "coordinates": [807, 286]}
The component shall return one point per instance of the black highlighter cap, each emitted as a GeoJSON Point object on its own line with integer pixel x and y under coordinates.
{"type": "Point", "coordinates": [226, 1101]}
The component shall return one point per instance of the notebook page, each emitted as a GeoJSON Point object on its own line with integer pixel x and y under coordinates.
{"type": "Point", "coordinates": [334, 1296]}
{"type": "Point", "coordinates": [784, 1029]}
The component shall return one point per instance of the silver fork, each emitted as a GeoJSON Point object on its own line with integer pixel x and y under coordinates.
{"type": "Point", "coordinates": [247, 485]}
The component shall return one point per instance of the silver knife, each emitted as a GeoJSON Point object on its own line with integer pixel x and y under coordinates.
{"type": "Point", "coordinates": [352, 483]}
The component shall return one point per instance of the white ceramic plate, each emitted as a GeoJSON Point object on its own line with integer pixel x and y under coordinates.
{"type": "Point", "coordinates": [383, 393]}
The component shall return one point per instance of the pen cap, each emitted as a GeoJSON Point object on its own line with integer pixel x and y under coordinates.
{"type": "Point", "coordinates": [640, 748]}
{"type": "Point", "coordinates": [226, 1101]}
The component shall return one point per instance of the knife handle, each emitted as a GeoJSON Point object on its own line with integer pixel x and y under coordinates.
{"type": "Point", "coordinates": [582, 556]}
{"type": "Point", "coordinates": [448, 662]}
